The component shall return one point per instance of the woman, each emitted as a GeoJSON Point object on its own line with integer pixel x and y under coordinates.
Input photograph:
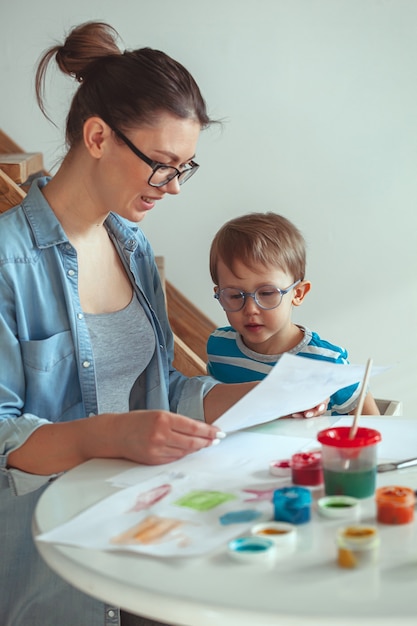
{"type": "Point", "coordinates": [86, 368]}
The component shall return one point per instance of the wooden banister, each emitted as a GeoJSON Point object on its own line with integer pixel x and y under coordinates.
{"type": "Point", "coordinates": [7, 145]}
{"type": "Point", "coordinates": [188, 322]}
{"type": "Point", "coordinates": [190, 326]}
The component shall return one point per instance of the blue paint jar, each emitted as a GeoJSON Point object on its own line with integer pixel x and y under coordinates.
{"type": "Point", "coordinates": [292, 504]}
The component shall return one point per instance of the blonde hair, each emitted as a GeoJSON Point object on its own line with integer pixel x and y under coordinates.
{"type": "Point", "coordinates": [254, 238]}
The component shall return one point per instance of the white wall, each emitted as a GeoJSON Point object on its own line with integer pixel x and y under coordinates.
{"type": "Point", "coordinates": [320, 103]}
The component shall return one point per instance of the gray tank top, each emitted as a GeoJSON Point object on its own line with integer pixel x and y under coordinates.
{"type": "Point", "coordinates": [123, 345]}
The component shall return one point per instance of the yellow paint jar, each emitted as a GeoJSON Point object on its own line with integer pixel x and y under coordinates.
{"type": "Point", "coordinates": [358, 546]}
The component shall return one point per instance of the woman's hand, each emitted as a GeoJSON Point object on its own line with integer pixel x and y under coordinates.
{"type": "Point", "coordinates": [149, 437]}
{"type": "Point", "coordinates": [156, 437]}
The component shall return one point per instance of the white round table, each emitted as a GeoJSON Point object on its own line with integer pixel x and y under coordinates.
{"type": "Point", "coordinates": [307, 588]}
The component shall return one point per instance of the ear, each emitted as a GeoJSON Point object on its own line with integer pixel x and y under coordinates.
{"type": "Point", "coordinates": [300, 291]}
{"type": "Point", "coordinates": [95, 135]}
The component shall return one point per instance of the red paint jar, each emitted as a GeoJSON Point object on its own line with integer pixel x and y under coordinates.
{"type": "Point", "coordinates": [306, 469]}
{"type": "Point", "coordinates": [395, 505]}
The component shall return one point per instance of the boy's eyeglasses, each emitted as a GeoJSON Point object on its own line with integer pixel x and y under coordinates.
{"type": "Point", "coordinates": [161, 174]}
{"type": "Point", "coordinates": [266, 297]}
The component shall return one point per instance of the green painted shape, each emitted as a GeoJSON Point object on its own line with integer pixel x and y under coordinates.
{"type": "Point", "coordinates": [204, 500]}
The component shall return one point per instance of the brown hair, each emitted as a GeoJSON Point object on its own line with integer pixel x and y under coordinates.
{"type": "Point", "coordinates": [124, 89]}
{"type": "Point", "coordinates": [265, 238]}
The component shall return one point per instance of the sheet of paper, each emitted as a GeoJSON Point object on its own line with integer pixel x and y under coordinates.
{"type": "Point", "coordinates": [193, 508]}
{"type": "Point", "coordinates": [295, 384]}
{"type": "Point", "coordinates": [239, 452]}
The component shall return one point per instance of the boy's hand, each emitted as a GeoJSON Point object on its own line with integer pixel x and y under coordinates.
{"type": "Point", "coordinates": [314, 412]}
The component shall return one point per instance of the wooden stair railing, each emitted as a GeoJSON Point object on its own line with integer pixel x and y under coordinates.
{"type": "Point", "coordinates": [188, 322]}
{"type": "Point", "coordinates": [7, 145]}
{"type": "Point", "coordinates": [190, 326]}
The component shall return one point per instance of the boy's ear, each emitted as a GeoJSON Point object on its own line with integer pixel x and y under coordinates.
{"type": "Point", "coordinates": [300, 291]}
{"type": "Point", "coordinates": [95, 132]}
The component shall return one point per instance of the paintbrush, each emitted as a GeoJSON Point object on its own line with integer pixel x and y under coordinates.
{"type": "Point", "coordinates": [354, 427]}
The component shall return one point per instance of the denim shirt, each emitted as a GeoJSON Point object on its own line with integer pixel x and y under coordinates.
{"type": "Point", "coordinates": [47, 372]}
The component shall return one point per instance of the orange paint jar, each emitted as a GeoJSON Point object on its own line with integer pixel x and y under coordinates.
{"type": "Point", "coordinates": [395, 505]}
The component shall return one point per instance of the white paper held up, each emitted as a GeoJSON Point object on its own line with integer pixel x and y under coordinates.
{"type": "Point", "coordinates": [293, 385]}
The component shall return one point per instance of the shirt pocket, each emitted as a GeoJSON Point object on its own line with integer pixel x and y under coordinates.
{"type": "Point", "coordinates": [52, 383]}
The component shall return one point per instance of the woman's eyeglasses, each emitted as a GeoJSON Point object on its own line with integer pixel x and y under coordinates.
{"type": "Point", "coordinates": [161, 174]}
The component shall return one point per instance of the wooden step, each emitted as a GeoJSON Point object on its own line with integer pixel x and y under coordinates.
{"type": "Point", "coordinates": [19, 166]}
{"type": "Point", "coordinates": [10, 193]}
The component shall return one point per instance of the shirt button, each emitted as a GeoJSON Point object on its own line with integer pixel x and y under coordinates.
{"type": "Point", "coordinates": [111, 613]}
{"type": "Point", "coordinates": [86, 364]}
{"type": "Point", "coordinates": [80, 316]}
{"type": "Point", "coordinates": [71, 272]}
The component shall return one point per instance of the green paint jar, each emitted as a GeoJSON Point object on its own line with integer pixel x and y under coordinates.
{"type": "Point", "coordinates": [349, 465]}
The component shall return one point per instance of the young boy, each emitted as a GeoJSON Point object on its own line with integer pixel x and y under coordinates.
{"type": "Point", "coordinates": [257, 263]}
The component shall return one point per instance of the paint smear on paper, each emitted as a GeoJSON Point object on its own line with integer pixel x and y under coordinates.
{"type": "Point", "coordinates": [238, 517]}
{"type": "Point", "coordinates": [204, 500]}
{"type": "Point", "coordinates": [260, 494]}
{"type": "Point", "coordinates": [152, 529]}
{"type": "Point", "coordinates": [151, 497]}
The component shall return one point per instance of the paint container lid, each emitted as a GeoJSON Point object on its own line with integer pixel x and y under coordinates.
{"type": "Point", "coordinates": [395, 496]}
{"type": "Point", "coordinates": [306, 460]}
{"type": "Point", "coordinates": [358, 537]}
{"type": "Point", "coordinates": [280, 468]}
{"type": "Point", "coordinates": [281, 533]}
{"type": "Point", "coordinates": [338, 437]}
{"type": "Point", "coordinates": [295, 497]}
{"type": "Point", "coordinates": [251, 549]}
{"type": "Point", "coordinates": [338, 507]}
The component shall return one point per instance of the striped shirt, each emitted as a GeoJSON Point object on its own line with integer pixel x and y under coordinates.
{"type": "Point", "coordinates": [231, 361]}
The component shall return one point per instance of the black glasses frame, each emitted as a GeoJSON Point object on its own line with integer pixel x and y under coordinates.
{"type": "Point", "coordinates": [183, 175]}
{"type": "Point", "coordinates": [253, 294]}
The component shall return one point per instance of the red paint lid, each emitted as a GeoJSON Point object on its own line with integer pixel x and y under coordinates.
{"type": "Point", "coordinates": [306, 460]}
{"type": "Point", "coordinates": [338, 437]}
{"type": "Point", "coordinates": [401, 496]}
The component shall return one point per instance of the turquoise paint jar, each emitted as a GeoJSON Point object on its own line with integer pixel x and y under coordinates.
{"type": "Point", "coordinates": [292, 505]}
